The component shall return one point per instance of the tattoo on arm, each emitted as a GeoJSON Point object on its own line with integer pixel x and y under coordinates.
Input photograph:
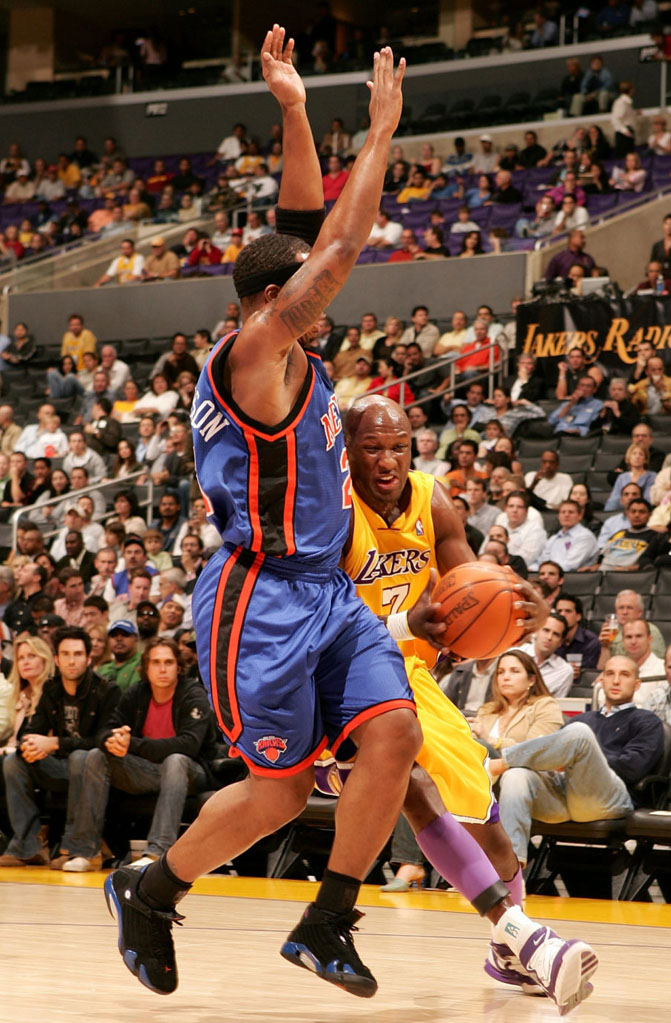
{"type": "Point", "coordinates": [302, 313]}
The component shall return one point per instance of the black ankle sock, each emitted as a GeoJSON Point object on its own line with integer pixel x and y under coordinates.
{"type": "Point", "coordinates": [159, 887]}
{"type": "Point", "coordinates": [337, 892]}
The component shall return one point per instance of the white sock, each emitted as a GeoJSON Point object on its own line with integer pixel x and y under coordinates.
{"type": "Point", "coordinates": [514, 929]}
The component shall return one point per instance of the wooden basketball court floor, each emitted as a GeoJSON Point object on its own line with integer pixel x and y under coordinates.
{"type": "Point", "coordinates": [59, 961]}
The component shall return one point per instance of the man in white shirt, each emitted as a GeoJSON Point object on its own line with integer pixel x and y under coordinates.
{"type": "Point", "coordinates": [482, 514]}
{"type": "Point", "coordinates": [426, 461]}
{"type": "Point", "coordinates": [222, 230]}
{"type": "Point", "coordinates": [126, 268]}
{"type": "Point", "coordinates": [118, 372]}
{"type": "Point", "coordinates": [370, 332]}
{"type": "Point", "coordinates": [254, 228]}
{"type": "Point", "coordinates": [494, 328]}
{"type": "Point", "coordinates": [570, 217]}
{"type": "Point", "coordinates": [422, 332]}
{"type": "Point", "coordinates": [232, 147]}
{"type": "Point", "coordinates": [637, 642]}
{"type": "Point", "coordinates": [573, 545]}
{"type": "Point", "coordinates": [385, 233]}
{"type": "Point", "coordinates": [32, 433]}
{"type": "Point", "coordinates": [556, 672]}
{"type": "Point", "coordinates": [526, 536]}
{"type": "Point", "coordinates": [486, 160]}
{"type": "Point", "coordinates": [547, 483]}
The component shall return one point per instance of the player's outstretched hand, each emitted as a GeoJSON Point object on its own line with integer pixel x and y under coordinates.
{"type": "Point", "coordinates": [279, 72]}
{"type": "Point", "coordinates": [531, 607]}
{"type": "Point", "coordinates": [422, 617]}
{"type": "Point", "coordinates": [386, 97]}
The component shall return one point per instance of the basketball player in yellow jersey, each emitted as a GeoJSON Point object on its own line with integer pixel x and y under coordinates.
{"type": "Point", "coordinates": [404, 531]}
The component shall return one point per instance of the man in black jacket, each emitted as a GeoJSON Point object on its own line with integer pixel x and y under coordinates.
{"type": "Point", "coordinates": [75, 708]}
{"type": "Point", "coordinates": [161, 739]}
{"type": "Point", "coordinates": [587, 770]}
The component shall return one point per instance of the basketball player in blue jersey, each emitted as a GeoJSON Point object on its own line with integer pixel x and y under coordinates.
{"type": "Point", "coordinates": [292, 658]}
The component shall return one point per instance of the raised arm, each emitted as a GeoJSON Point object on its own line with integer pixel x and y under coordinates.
{"type": "Point", "coordinates": [301, 186]}
{"type": "Point", "coordinates": [304, 297]}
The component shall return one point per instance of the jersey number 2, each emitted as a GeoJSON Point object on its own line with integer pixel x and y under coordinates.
{"type": "Point", "coordinates": [347, 482]}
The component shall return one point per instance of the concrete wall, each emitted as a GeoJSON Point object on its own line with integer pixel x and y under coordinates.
{"type": "Point", "coordinates": [157, 310]}
{"type": "Point", "coordinates": [197, 119]}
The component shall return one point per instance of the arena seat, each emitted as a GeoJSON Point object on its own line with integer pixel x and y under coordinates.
{"type": "Point", "coordinates": [615, 442]}
{"type": "Point", "coordinates": [581, 584]}
{"type": "Point", "coordinates": [641, 581]}
{"type": "Point", "coordinates": [577, 446]}
{"type": "Point", "coordinates": [607, 460]}
{"type": "Point", "coordinates": [575, 463]}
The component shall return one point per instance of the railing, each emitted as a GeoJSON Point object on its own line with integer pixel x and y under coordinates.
{"type": "Point", "coordinates": [146, 501]}
{"type": "Point", "coordinates": [449, 361]}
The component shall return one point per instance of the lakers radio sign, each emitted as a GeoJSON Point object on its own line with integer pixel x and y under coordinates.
{"type": "Point", "coordinates": [609, 331]}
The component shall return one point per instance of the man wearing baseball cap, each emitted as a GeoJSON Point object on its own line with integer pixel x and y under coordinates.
{"type": "Point", "coordinates": [162, 264]}
{"type": "Point", "coordinates": [486, 161]}
{"type": "Point", "coordinates": [124, 669]}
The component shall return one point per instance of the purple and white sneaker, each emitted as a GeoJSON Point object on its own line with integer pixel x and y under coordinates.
{"type": "Point", "coordinates": [503, 965]}
{"type": "Point", "coordinates": [562, 968]}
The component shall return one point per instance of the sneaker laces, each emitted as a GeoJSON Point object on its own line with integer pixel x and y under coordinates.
{"type": "Point", "coordinates": [161, 937]}
{"type": "Point", "coordinates": [343, 925]}
{"type": "Point", "coordinates": [543, 958]}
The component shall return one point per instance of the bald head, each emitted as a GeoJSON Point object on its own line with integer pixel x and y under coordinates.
{"type": "Point", "coordinates": [374, 411]}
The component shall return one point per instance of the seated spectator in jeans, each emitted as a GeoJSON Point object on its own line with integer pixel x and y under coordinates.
{"type": "Point", "coordinates": [74, 708]}
{"type": "Point", "coordinates": [596, 88]}
{"type": "Point", "coordinates": [587, 770]}
{"type": "Point", "coordinates": [161, 739]}
{"type": "Point", "coordinates": [520, 707]}
{"type": "Point", "coordinates": [63, 383]}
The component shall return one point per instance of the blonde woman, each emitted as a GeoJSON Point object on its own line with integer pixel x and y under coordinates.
{"type": "Point", "coordinates": [101, 652]}
{"type": "Point", "coordinates": [637, 459]}
{"type": "Point", "coordinates": [521, 706]}
{"type": "Point", "coordinates": [33, 665]}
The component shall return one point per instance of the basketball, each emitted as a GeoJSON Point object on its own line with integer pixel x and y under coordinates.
{"type": "Point", "coordinates": [478, 607]}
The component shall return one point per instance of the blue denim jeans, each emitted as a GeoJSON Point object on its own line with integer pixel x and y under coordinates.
{"type": "Point", "coordinates": [174, 779]}
{"type": "Point", "coordinates": [54, 774]}
{"type": "Point", "coordinates": [63, 386]}
{"type": "Point", "coordinates": [558, 777]}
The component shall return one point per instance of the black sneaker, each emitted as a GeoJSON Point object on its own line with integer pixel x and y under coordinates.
{"type": "Point", "coordinates": [145, 934]}
{"type": "Point", "coordinates": [322, 942]}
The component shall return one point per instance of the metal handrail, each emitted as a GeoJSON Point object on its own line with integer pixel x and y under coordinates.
{"type": "Point", "coordinates": [133, 478]}
{"type": "Point", "coordinates": [450, 360]}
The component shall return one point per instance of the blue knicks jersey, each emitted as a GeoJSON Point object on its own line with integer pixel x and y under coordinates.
{"type": "Point", "coordinates": [282, 490]}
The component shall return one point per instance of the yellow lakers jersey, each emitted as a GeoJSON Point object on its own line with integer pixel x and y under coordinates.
{"type": "Point", "coordinates": [390, 565]}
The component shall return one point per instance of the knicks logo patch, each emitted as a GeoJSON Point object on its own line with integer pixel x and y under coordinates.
{"type": "Point", "coordinates": [271, 746]}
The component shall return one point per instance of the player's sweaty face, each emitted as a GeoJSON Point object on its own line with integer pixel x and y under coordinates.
{"type": "Point", "coordinates": [379, 458]}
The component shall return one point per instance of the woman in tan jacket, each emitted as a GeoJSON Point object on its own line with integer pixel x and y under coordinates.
{"type": "Point", "coordinates": [521, 708]}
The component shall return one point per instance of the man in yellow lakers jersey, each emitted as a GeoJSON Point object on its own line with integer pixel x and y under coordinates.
{"type": "Point", "coordinates": [404, 531]}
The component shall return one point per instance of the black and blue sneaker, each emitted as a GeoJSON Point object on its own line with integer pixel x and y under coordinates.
{"type": "Point", "coordinates": [145, 934]}
{"type": "Point", "coordinates": [322, 942]}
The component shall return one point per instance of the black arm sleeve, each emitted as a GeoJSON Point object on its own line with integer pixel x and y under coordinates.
{"type": "Point", "coordinates": [305, 224]}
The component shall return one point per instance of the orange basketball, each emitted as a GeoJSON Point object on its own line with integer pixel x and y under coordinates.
{"type": "Point", "coordinates": [477, 605]}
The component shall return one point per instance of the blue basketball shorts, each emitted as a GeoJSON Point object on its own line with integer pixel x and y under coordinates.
{"type": "Point", "coordinates": [292, 662]}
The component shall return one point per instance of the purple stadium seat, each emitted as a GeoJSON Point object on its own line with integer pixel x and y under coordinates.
{"type": "Point", "coordinates": [597, 205]}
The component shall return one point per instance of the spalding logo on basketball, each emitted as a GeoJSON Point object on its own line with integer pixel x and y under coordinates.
{"type": "Point", "coordinates": [478, 608]}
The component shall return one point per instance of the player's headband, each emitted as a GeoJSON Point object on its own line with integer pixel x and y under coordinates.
{"type": "Point", "coordinates": [254, 283]}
